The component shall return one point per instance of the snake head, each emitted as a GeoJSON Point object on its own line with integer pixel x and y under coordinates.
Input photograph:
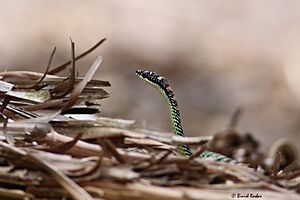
{"type": "Point", "coordinates": [153, 78]}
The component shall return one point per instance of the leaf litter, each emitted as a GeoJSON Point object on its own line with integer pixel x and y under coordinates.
{"type": "Point", "coordinates": [55, 144]}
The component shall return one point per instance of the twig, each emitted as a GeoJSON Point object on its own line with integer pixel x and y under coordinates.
{"type": "Point", "coordinates": [21, 112]}
{"type": "Point", "coordinates": [24, 74]}
{"type": "Point", "coordinates": [235, 119]}
{"type": "Point", "coordinates": [164, 155]}
{"type": "Point", "coordinates": [198, 152]}
{"type": "Point", "coordinates": [190, 140]}
{"type": "Point", "coordinates": [111, 148]}
{"type": "Point", "coordinates": [92, 170]}
{"type": "Point", "coordinates": [46, 104]}
{"type": "Point", "coordinates": [72, 77]}
{"type": "Point", "coordinates": [80, 148]}
{"type": "Point", "coordinates": [65, 146]}
{"type": "Point", "coordinates": [64, 65]}
{"type": "Point", "coordinates": [5, 103]}
{"type": "Point", "coordinates": [34, 85]}
{"type": "Point", "coordinates": [70, 186]}
{"type": "Point", "coordinates": [79, 88]}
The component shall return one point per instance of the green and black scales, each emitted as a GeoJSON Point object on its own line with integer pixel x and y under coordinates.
{"type": "Point", "coordinates": [163, 86]}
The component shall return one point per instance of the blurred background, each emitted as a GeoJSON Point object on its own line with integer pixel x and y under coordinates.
{"type": "Point", "coordinates": [217, 56]}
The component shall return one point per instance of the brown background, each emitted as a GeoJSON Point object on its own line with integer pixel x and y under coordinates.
{"type": "Point", "coordinates": [217, 55]}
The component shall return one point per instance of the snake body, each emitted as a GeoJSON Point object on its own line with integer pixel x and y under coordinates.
{"type": "Point", "coordinates": [163, 86]}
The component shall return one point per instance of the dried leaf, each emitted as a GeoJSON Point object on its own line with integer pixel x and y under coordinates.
{"type": "Point", "coordinates": [5, 86]}
{"type": "Point", "coordinates": [78, 89]}
{"type": "Point", "coordinates": [30, 95]}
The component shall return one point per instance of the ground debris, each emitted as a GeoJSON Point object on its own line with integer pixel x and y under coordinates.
{"type": "Point", "coordinates": [55, 144]}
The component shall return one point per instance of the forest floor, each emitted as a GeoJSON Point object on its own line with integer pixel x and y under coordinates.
{"type": "Point", "coordinates": [55, 144]}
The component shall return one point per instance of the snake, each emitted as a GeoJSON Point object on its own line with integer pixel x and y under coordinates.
{"type": "Point", "coordinates": [166, 91]}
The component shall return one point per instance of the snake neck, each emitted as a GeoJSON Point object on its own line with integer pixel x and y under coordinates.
{"type": "Point", "coordinates": [169, 97]}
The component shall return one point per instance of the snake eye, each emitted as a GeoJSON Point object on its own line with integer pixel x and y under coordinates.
{"type": "Point", "coordinates": [140, 73]}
